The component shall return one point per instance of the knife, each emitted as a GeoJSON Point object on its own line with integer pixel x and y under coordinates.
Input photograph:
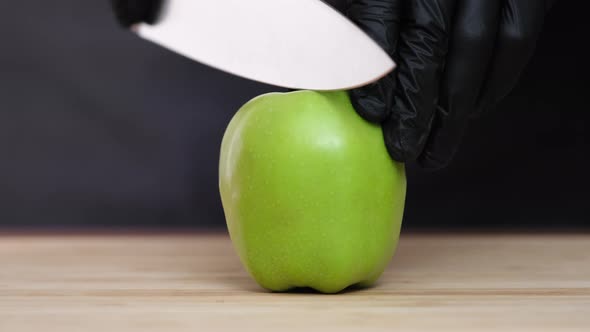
{"type": "Point", "coordinates": [296, 44]}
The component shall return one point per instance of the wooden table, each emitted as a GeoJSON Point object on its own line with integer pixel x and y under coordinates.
{"type": "Point", "coordinates": [194, 282]}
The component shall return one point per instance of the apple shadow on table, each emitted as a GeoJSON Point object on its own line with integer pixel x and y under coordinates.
{"type": "Point", "coordinates": [307, 290]}
{"type": "Point", "coordinates": [247, 284]}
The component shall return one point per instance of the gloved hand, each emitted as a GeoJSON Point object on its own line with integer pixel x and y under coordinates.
{"type": "Point", "coordinates": [130, 12]}
{"type": "Point", "coordinates": [455, 58]}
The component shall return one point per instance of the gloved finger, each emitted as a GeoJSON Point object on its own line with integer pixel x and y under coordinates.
{"type": "Point", "coordinates": [520, 27]}
{"type": "Point", "coordinates": [380, 20]}
{"type": "Point", "coordinates": [423, 45]}
{"type": "Point", "coordinates": [130, 12]}
{"type": "Point", "coordinates": [472, 41]}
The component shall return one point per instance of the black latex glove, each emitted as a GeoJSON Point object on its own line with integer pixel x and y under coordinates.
{"type": "Point", "coordinates": [455, 58]}
{"type": "Point", "coordinates": [130, 12]}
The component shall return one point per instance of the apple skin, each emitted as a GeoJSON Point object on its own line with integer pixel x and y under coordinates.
{"type": "Point", "coordinates": [310, 195]}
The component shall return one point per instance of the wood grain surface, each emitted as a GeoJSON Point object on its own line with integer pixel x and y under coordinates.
{"type": "Point", "coordinates": [194, 282]}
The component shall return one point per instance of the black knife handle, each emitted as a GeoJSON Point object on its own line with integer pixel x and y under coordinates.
{"type": "Point", "coordinates": [130, 12]}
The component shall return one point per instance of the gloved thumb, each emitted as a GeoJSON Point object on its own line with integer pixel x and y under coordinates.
{"type": "Point", "coordinates": [380, 19]}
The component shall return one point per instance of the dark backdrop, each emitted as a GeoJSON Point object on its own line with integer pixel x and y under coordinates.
{"type": "Point", "coordinates": [99, 128]}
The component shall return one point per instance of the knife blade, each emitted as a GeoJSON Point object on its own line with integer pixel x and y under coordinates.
{"type": "Point", "coordinates": [296, 44]}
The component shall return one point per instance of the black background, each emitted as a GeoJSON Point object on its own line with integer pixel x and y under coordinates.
{"type": "Point", "coordinates": [101, 129]}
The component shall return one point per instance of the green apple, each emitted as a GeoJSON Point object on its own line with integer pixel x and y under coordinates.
{"type": "Point", "coordinates": [310, 194]}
